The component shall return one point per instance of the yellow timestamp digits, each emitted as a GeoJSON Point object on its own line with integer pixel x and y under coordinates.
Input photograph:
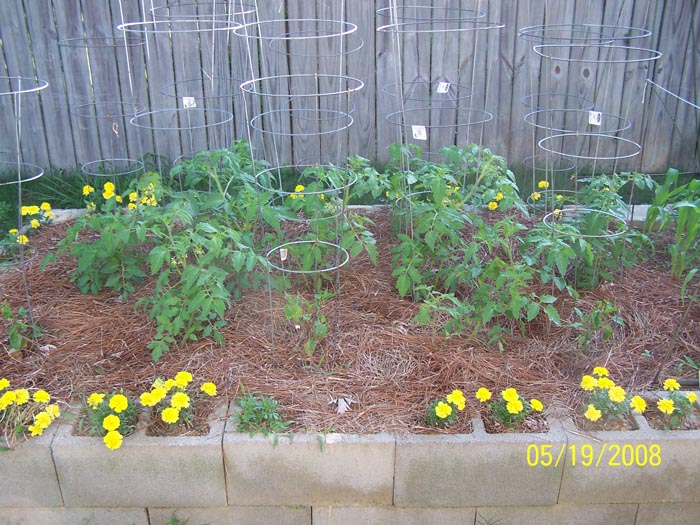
{"type": "Point", "coordinates": [588, 455]}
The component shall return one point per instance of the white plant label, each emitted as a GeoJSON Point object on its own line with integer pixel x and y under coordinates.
{"type": "Point", "coordinates": [595, 118]}
{"type": "Point", "coordinates": [283, 254]}
{"type": "Point", "coordinates": [443, 87]}
{"type": "Point", "coordinates": [189, 102]}
{"type": "Point", "coordinates": [419, 132]}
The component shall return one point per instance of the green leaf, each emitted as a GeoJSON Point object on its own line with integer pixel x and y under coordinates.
{"type": "Point", "coordinates": [553, 314]}
{"type": "Point", "coordinates": [532, 310]}
{"type": "Point", "coordinates": [547, 299]}
{"type": "Point", "coordinates": [156, 258]}
{"type": "Point", "coordinates": [403, 284]}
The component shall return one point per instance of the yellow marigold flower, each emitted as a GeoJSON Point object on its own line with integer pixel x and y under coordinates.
{"type": "Point", "coordinates": [616, 394]}
{"type": "Point", "coordinates": [48, 214]}
{"type": "Point", "coordinates": [298, 188]}
{"type": "Point", "coordinates": [95, 400]}
{"type": "Point", "coordinates": [510, 394]}
{"type": "Point", "coordinates": [22, 239]}
{"type": "Point", "coordinates": [592, 413]}
{"type": "Point", "coordinates": [4, 383]}
{"type": "Point", "coordinates": [208, 388]}
{"type": "Point", "coordinates": [170, 415]}
{"type": "Point", "coordinates": [118, 403]}
{"type": "Point", "coordinates": [666, 406]}
{"type": "Point", "coordinates": [34, 223]}
{"type": "Point", "coordinates": [10, 396]}
{"type": "Point", "coordinates": [456, 397]}
{"type": "Point", "coordinates": [492, 205]}
{"type": "Point", "coordinates": [54, 411]}
{"type": "Point", "coordinates": [514, 407]}
{"type": "Point", "coordinates": [558, 214]}
{"type": "Point", "coordinates": [560, 197]}
{"type": "Point", "coordinates": [605, 382]}
{"type": "Point", "coordinates": [671, 385]}
{"type": "Point", "coordinates": [21, 396]}
{"type": "Point", "coordinates": [483, 394]}
{"type": "Point", "coordinates": [113, 440]}
{"type": "Point", "coordinates": [169, 385]}
{"type": "Point", "coordinates": [108, 190]}
{"type": "Point", "coordinates": [35, 430]}
{"type": "Point", "coordinates": [543, 184]}
{"type": "Point", "coordinates": [292, 196]}
{"type": "Point", "coordinates": [536, 195]}
{"type": "Point", "coordinates": [118, 198]}
{"type": "Point", "coordinates": [111, 422]}
{"type": "Point", "coordinates": [4, 402]}
{"type": "Point", "coordinates": [180, 400]}
{"type": "Point", "coordinates": [131, 206]}
{"type": "Point", "coordinates": [13, 231]}
{"type": "Point", "coordinates": [692, 397]}
{"type": "Point", "coordinates": [536, 405]}
{"type": "Point", "coordinates": [589, 383]}
{"type": "Point", "coordinates": [638, 404]}
{"type": "Point", "coordinates": [133, 196]}
{"type": "Point", "coordinates": [42, 420]}
{"type": "Point", "coordinates": [41, 396]}
{"type": "Point", "coordinates": [146, 399]}
{"type": "Point", "coordinates": [29, 210]}
{"type": "Point", "coordinates": [182, 379]}
{"type": "Point", "coordinates": [88, 190]}
{"type": "Point", "coordinates": [45, 206]}
{"type": "Point", "coordinates": [442, 410]}
{"type": "Point", "coordinates": [498, 197]}
{"type": "Point", "coordinates": [601, 371]}
{"type": "Point", "coordinates": [158, 393]}
{"type": "Point", "coordinates": [152, 201]}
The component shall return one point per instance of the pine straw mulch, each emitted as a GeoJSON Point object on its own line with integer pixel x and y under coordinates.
{"type": "Point", "coordinates": [391, 367]}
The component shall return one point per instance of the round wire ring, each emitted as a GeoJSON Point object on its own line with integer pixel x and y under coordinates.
{"type": "Point", "coordinates": [346, 28]}
{"type": "Point", "coordinates": [36, 172]}
{"type": "Point", "coordinates": [344, 118]}
{"type": "Point", "coordinates": [314, 243]}
{"type": "Point", "coordinates": [352, 86]}
{"type": "Point", "coordinates": [636, 146]}
{"type": "Point", "coordinates": [553, 217]}
{"type": "Point", "coordinates": [168, 27]}
{"type": "Point", "coordinates": [132, 166]}
{"type": "Point", "coordinates": [481, 117]}
{"type": "Point", "coordinates": [225, 116]}
{"type": "Point", "coordinates": [414, 27]}
{"type": "Point", "coordinates": [122, 109]}
{"type": "Point", "coordinates": [348, 49]}
{"type": "Point", "coordinates": [623, 123]}
{"type": "Point", "coordinates": [652, 54]}
{"type": "Point", "coordinates": [233, 91]}
{"type": "Point", "coordinates": [330, 191]}
{"type": "Point", "coordinates": [529, 163]}
{"type": "Point", "coordinates": [537, 33]}
{"type": "Point", "coordinates": [451, 95]}
{"type": "Point", "coordinates": [38, 85]}
{"type": "Point", "coordinates": [476, 14]}
{"type": "Point", "coordinates": [101, 42]}
{"type": "Point", "coordinates": [586, 104]}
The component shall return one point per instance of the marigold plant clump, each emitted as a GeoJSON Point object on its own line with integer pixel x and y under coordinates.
{"type": "Point", "coordinates": [24, 412]}
{"type": "Point", "coordinates": [444, 412]}
{"type": "Point", "coordinates": [510, 409]}
{"type": "Point", "coordinates": [110, 416]}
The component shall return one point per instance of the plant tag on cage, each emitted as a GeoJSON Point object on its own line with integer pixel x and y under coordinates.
{"type": "Point", "coordinates": [189, 102]}
{"type": "Point", "coordinates": [419, 132]}
{"type": "Point", "coordinates": [443, 87]}
{"type": "Point", "coordinates": [283, 254]}
{"type": "Point", "coordinates": [595, 118]}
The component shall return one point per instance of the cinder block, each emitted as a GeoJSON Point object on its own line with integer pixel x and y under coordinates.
{"type": "Point", "coordinates": [476, 469]}
{"type": "Point", "coordinates": [391, 516]}
{"type": "Point", "coordinates": [146, 471]}
{"type": "Point", "coordinates": [73, 516]}
{"type": "Point", "coordinates": [234, 516]}
{"type": "Point", "coordinates": [346, 469]}
{"type": "Point", "coordinates": [559, 515]}
{"type": "Point", "coordinates": [664, 513]}
{"type": "Point", "coordinates": [28, 475]}
{"type": "Point", "coordinates": [619, 472]}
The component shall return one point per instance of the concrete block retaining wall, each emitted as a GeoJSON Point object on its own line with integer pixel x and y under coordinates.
{"type": "Point", "coordinates": [562, 476]}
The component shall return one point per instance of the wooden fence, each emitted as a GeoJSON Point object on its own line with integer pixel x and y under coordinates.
{"type": "Point", "coordinates": [100, 81]}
